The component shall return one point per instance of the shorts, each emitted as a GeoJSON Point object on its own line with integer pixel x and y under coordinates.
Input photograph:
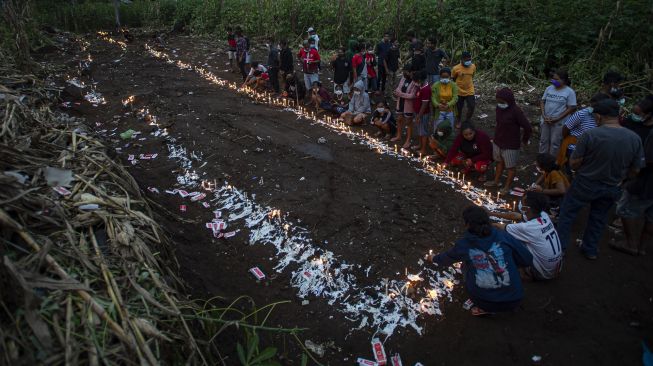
{"type": "Point", "coordinates": [507, 156]}
{"type": "Point", "coordinates": [630, 206]}
{"type": "Point", "coordinates": [407, 115]}
{"type": "Point", "coordinates": [423, 126]}
{"type": "Point", "coordinates": [248, 58]}
{"type": "Point", "coordinates": [232, 54]}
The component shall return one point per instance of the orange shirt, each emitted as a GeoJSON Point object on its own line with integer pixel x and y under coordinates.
{"type": "Point", "coordinates": [464, 77]}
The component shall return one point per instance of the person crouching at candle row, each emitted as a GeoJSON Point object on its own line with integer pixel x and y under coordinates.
{"type": "Point", "coordinates": [472, 150]}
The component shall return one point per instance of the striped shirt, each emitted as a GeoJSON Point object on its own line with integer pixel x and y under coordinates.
{"type": "Point", "coordinates": [580, 122]}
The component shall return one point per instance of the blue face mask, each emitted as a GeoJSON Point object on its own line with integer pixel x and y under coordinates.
{"type": "Point", "coordinates": [467, 63]}
{"type": "Point", "coordinates": [636, 117]}
{"type": "Point", "coordinates": [444, 81]}
{"type": "Point", "coordinates": [590, 110]}
{"type": "Point", "coordinates": [621, 102]}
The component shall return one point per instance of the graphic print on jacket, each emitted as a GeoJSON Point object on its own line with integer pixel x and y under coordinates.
{"type": "Point", "coordinates": [491, 271]}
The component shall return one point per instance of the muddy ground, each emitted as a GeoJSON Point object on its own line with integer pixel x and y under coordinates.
{"type": "Point", "coordinates": [366, 208]}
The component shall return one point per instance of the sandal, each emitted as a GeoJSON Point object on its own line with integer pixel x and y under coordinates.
{"type": "Point", "coordinates": [476, 311]}
{"type": "Point", "coordinates": [624, 249]}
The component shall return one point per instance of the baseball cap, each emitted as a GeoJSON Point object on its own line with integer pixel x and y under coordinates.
{"type": "Point", "coordinates": [310, 29]}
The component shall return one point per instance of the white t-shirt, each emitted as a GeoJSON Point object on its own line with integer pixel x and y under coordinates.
{"type": "Point", "coordinates": [260, 67]}
{"type": "Point", "coordinates": [557, 101]}
{"type": "Point", "coordinates": [541, 239]}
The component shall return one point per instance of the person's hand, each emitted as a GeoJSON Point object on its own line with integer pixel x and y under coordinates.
{"type": "Point", "coordinates": [443, 107]}
{"type": "Point", "coordinates": [536, 188]}
{"type": "Point", "coordinates": [395, 93]}
{"type": "Point", "coordinates": [429, 257]}
{"type": "Point", "coordinates": [468, 163]}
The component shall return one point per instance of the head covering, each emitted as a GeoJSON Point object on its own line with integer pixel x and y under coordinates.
{"type": "Point", "coordinates": [507, 95]}
{"type": "Point", "coordinates": [310, 29]}
{"type": "Point", "coordinates": [466, 54]}
{"type": "Point", "coordinates": [608, 107]}
{"type": "Point", "coordinates": [360, 85]}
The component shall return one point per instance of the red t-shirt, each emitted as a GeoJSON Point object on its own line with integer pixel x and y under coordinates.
{"type": "Point", "coordinates": [356, 61]}
{"type": "Point", "coordinates": [369, 57]}
{"type": "Point", "coordinates": [423, 96]}
{"type": "Point", "coordinates": [310, 60]}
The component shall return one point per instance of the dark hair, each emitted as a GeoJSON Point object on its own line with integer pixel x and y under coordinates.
{"type": "Point", "coordinates": [477, 220]}
{"type": "Point", "coordinates": [407, 67]}
{"type": "Point", "coordinates": [598, 97]}
{"type": "Point", "coordinates": [537, 201]}
{"type": "Point", "coordinates": [547, 162]}
{"type": "Point", "coordinates": [254, 64]}
{"type": "Point", "coordinates": [257, 72]}
{"type": "Point", "coordinates": [445, 69]}
{"type": "Point", "coordinates": [433, 39]}
{"type": "Point", "coordinates": [466, 54]}
{"type": "Point", "coordinates": [563, 75]}
{"type": "Point", "coordinates": [607, 107]}
{"type": "Point", "coordinates": [467, 126]}
{"type": "Point", "coordinates": [612, 77]}
{"type": "Point", "coordinates": [646, 104]}
{"type": "Point", "coordinates": [419, 75]}
{"type": "Point", "coordinates": [283, 42]}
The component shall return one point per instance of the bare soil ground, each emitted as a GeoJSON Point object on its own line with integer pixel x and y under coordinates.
{"type": "Point", "coordinates": [368, 209]}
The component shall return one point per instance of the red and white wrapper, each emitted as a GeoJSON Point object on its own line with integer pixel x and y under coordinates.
{"type": "Point", "coordinates": [174, 191]}
{"type": "Point", "coordinates": [182, 208]}
{"type": "Point", "coordinates": [379, 352]}
{"type": "Point", "coordinates": [182, 193]}
{"type": "Point", "coordinates": [153, 189]}
{"type": "Point", "coordinates": [468, 304]}
{"type": "Point", "coordinates": [217, 213]}
{"type": "Point", "coordinates": [396, 360]}
{"type": "Point", "coordinates": [257, 273]}
{"type": "Point", "coordinates": [307, 275]}
{"type": "Point", "coordinates": [216, 226]}
{"type": "Point", "coordinates": [198, 197]}
{"type": "Point", "coordinates": [62, 191]}
{"type": "Point", "coordinates": [206, 204]}
{"type": "Point", "coordinates": [364, 362]}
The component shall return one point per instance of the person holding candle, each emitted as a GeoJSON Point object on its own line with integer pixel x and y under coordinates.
{"type": "Point", "coordinates": [405, 94]}
{"type": "Point", "coordinates": [441, 141]}
{"type": "Point", "coordinates": [252, 79]}
{"type": "Point", "coordinates": [552, 181]}
{"type": "Point", "coordinates": [510, 121]}
{"type": "Point", "coordinates": [472, 149]}
{"type": "Point", "coordinates": [444, 96]}
{"type": "Point", "coordinates": [320, 97]}
{"type": "Point", "coordinates": [359, 105]}
{"type": "Point", "coordinates": [383, 119]}
{"type": "Point", "coordinates": [491, 260]}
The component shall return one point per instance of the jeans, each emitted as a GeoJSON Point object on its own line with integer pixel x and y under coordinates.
{"type": "Point", "coordinates": [550, 137]}
{"type": "Point", "coordinates": [273, 72]}
{"type": "Point", "coordinates": [600, 197]}
{"type": "Point", "coordinates": [444, 116]}
{"type": "Point", "coordinates": [309, 79]}
{"type": "Point", "coordinates": [241, 66]}
{"type": "Point", "coordinates": [371, 84]}
{"type": "Point", "coordinates": [470, 100]}
{"type": "Point", "coordinates": [432, 79]}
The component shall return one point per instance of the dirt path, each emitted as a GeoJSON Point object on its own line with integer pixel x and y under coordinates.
{"type": "Point", "coordinates": [368, 209]}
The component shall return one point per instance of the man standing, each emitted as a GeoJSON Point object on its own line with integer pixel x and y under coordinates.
{"type": "Point", "coordinates": [434, 56]}
{"type": "Point", "coordinates": [381, 51]}
{"type": "Point", "coordinates": [241, 51]}
{"type": "Point", "coordinates": [464, 73]}
{"type": "Point", "coordinates": [312, 35]}
{"type": "Point", "coordinates": [273, 65]}
{"type": "Point", "coordinates": [341, 69]}
{"type": "Point", "coordinates": [603, 158]}
{"type": "Point", "coordinates": [287, 63]}
{"type": "Point", "coordinates": [310, 63]}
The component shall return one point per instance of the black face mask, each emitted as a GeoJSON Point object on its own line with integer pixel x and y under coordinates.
{"type": "Point", "coordinates": [615, 92]}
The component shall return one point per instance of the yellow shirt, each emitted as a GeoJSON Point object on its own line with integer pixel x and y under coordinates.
{"type": "Point", "coordinates": [446, 93]}
{"type": "Point", "coordinates": [552, 179]}
{"type": "Point", "coordinates": [464, 79]}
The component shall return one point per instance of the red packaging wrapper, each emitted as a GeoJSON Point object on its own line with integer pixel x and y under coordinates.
{"type": "Point", "coordinates": [396, 360]}
{"type": "Point", "coordinates": [62, 191]}
{"type": "Point", "coordinates": [257, 273]}
{"type": "Point", "coordinates": [182, 193]}
{"type": "Point", "coordinates": [182, 208]}
{"type": "Point", "coordinates": [379, 352]}
{"type": "Point", "coordinates": [364, 362]}
{"type": "Point", "coordinates": [198, 197]}
{"type": "Point", "coordinates": [468, 304]}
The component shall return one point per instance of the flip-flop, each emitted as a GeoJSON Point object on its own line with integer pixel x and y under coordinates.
{"type": "Point", "coordinates": [476, 311]}
{"type": "Point", "coordinates": [623, 249]}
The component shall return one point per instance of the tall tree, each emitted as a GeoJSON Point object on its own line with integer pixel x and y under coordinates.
{"type": "Point", "coordinates": [16, 14]}
{"type": "Point", "coordinates": [116, 10]}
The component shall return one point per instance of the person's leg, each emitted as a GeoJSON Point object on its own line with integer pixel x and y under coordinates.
{"type": "Point", "coordinates": [274, 79]}
{"type": "Point", "coordinates": [400, 126]}
{"type": "Point", "coordinates": [556, 138]}
{"type": "Point", "coordinates": [471, 106]}
{"type": "Point", "coordinates": [599, 209]}
{"type": "Point", "coordinates": [452, 120]}
{"type": "Point", "coordinates": [510, 158]}
{"type": "Point", "coordinates": [359, 118]}
{"type": "Point", "coordinates": [647, 236]}
{"type": "Point", "coordinates": [629, 220]}
{"type": "Point", "coordinates": [346, 116]}
{"type": "Point", "coordinates": [409, 131]}
{"type": "Point", "coordinates": [496, 155]}
{"type": "Point", "coordinates": [460, 105]}
{"type": "Point", "coordinates": [577, 197]}
{"type": "Point", "coordinates": [307, 81]}
{"type": "Point", "coordinates": [241, 65]}
{"type": "Point", "coordinates": [383, 77]}
{"type": "Point", "coordinates": [545, 137]}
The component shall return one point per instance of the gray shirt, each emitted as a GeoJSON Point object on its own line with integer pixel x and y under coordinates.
{"type": "Point", "coordinates": [557, 101]}
{"type": "Point", "coordinates": [608, 153]}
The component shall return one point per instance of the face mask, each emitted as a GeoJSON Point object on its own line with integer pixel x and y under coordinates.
{"type": "Point", "coordinates": [621, 101]}
{"type": "Point", "coordinates": [467, 63]}
{"type": "Point", "coordinates": [636, 117]}
{"type": "Point", "coordinates": [380, 110]}
{"type": "Point", "coordinates": [590, 110]}
{"type": "Point", "coordinates": [440, 133]}
{"type": "Point", "coordinates": [338, 92]}
{"type": "Point", "coordinates": [444, 81]}
{"type": "Point", "coordinates": [614, 90]}
{"type": "Point", "coordinates": [502, 105]}
{"type": "Point", "coordinates": [356, 92]}
{"type": "Point", "coordinates": [556, 83]}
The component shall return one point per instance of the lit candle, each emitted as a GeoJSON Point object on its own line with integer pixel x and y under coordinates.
{"type": "Point", "coordinates": [395, 148]}
{"type": "Point", "coordinates": [463, 177]}
{"type": "Point", "coordinates": [458, 176]}
{"type": "Point", "coordinates": [498, 196]}
{"type": "Point", "coordinates": [513, 205]}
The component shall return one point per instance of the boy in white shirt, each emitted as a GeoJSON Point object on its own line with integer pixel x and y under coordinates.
{"type": "Point", "coordinates": [538, 234]}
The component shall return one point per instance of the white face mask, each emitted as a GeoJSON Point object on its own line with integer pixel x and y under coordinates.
{"type": "Point", "coordinates": [356, 92]}
{"type": "Point", "coordinates": [338, 92]}
{"type": "Point", "coordinates": [440, 133]}
{"type": "Point", "coordinates": [444, 81]}
{"type": "Point", "coordinates": [502, 105]}
{"type": "Point", "coordinates": [380, 110]}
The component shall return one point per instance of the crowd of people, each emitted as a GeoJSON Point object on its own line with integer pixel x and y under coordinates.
{"type": "Point", "coordinates": [593, 156]}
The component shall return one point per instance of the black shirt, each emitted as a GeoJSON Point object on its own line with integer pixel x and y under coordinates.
{"type": "Point", "coordinates": [392, 59]}
{"type": "Point", "coordinates": [469, 148]}
{"type": "Point", "coordinates": [433, 59]}
{"type": "Point", "coordinates": [638, 127]}
{"type": "Point", "coordinates": [273, 57]}
{"type": "Point", "coordinates": [418, 62]}
{"type": "Point", "coordinates": [286, 60]}
{"type": "Point", "coordinates": [341, 69]}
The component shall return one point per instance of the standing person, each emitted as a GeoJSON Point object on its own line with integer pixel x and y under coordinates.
{"type": "Point", "coordinates": [603, 158]}
{"type": "Point", "coordinates": [422, 106]}
{"type": "Point", "coordinates": [463, 74]}
{"type": "Point", "coordinates": [313, 35]}
{"type": "Point", "coordinates": [413, 42]}
{"type": "Point", "coordinates": [341, 69]}
{"type": "Point", "coordinates": [472, 149]}
{"type": "Point", "coordinates": [231, 47]}
{"type": "Point", "coordinates": [359, 66]}
{"type": "Point", "coordinates": [381, 51]}
{"type": "Point", "coordinates": [241, 51]}
{"type": "Point", "coordinates": [370, 61]}
{"type": "Point", "coordinates": [310, 63]}
{"type": "Point", "coordinates": [640, 120]}
{"type": "Point", "coordinates": [577, 124]}
{"type": "Point", "coordinates": [287, 64]}
{"type": "Point", "coordinates": [359, 105]}
{"type": "Point", "coordinates": [418, 61]}
{"type": "Point", "coordinates": [274, 64]}
{"type": "Point", "coordinates": [391, 65]}
{"type": "Point", "coordinates": [434, 56]}
{"type": "Point", "coordinates": [444, 96]}
{"type": "Point", "coordinates": [405, 94]}
{"type": "Point", "coordinates": [507, 140]}
{"type": "Point", "coordinates": [539, 236]}
{"type": "Point", "coordinates": [558, 102]}
{"type": "Point", "coordinates": [611, 85]}
{"type": "Point", "coordinates": [491, 259]}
